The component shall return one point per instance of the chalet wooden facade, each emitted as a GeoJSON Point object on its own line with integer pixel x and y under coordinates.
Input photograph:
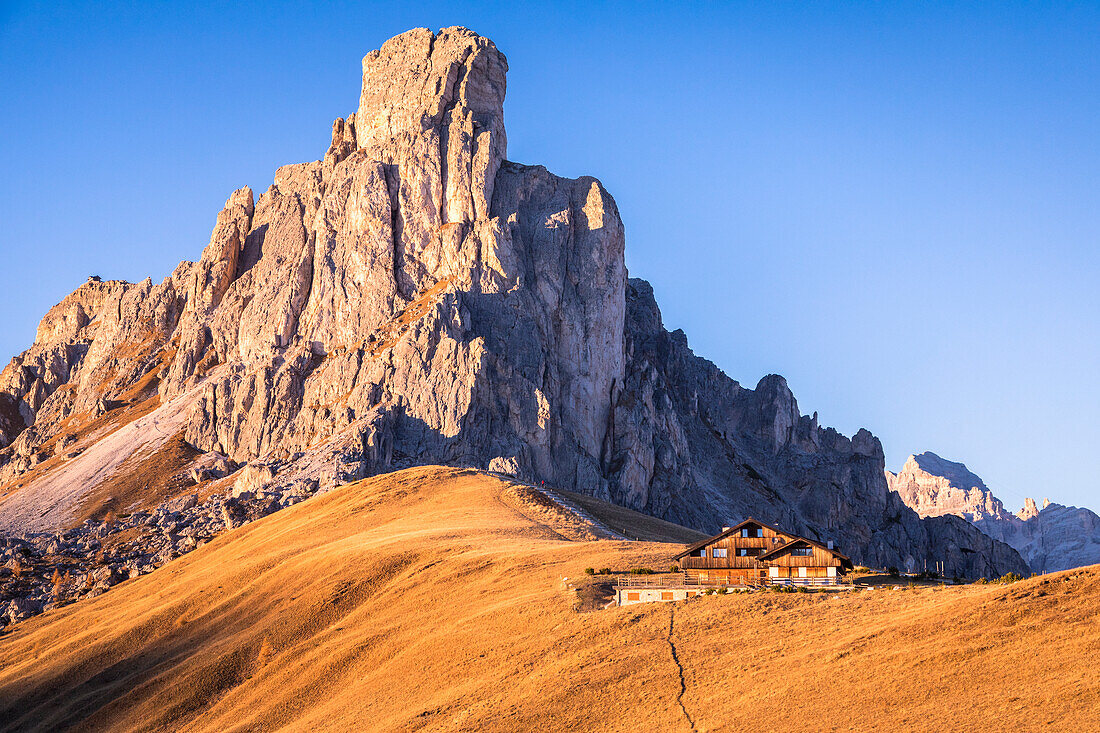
{"type": "Point", "coordinates": [754, 553]}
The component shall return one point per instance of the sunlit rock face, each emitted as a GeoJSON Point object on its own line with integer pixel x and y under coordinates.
{"type": "Point", "coordinates": [1056, 537]}
{"type": "Point", "coordinates": [933, 487]}
{"type": "Point", "coordinates": [415, 288]}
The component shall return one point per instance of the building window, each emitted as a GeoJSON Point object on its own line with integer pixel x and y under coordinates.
{"type": "Point", "coordinates": [802, 551]}
{"type": "Point", "coordinates": [746, 552]}
{"type": "Point", "coordinates": [703, 552]}
{"type": "Point", "coordinates": [752, 532]}
{"type": "Point", "coordinates": [719, 551]}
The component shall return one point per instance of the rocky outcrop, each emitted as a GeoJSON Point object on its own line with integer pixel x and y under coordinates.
{"type": "Point", "coordinates": [1054, 538]}
{"type": "Point", "coordinates": [102, 347]}
{"type": "Point", "coordinates": [40, 571]}
{"type": "Point", "coordinates": [418, 296]}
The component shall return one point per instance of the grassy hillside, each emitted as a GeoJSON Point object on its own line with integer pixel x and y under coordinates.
{"type": "Point", "coordinates": [433, 599]}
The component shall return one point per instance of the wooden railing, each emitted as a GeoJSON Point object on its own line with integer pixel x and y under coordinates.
{"type": "Point", "coordinates": [806, 581]}
{"type": "Point", "coordinates": [662, 580]}
{"type": "Point", "coordinates": [679, 580]}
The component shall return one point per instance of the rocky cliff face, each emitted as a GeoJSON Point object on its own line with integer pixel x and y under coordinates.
{"type": "Point", "coordinates": [416, 296]}
{"type": "Point", "coordinates": [1054, 538]}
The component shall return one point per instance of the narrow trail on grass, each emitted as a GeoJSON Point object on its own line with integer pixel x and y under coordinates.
{"type": "Point", "coordinates": [679, 668]}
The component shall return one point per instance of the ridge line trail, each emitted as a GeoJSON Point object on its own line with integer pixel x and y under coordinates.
{"type": "Point", "coordinates": [679, 668]}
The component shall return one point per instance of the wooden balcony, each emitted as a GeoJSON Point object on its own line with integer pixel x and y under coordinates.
{"type": "Point", "coordinates": [719, 563]}
{"type": "Point", "coordinates": [679, 580]}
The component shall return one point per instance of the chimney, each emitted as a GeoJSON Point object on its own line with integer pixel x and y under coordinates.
{"type": "Point", "coordinates": [726, 529]}
{"type": "Point", "coordinates": [829, 544]}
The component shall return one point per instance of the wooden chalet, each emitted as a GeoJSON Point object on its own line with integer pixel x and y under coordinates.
{"type": "Point", "coordinates": [755, 553]}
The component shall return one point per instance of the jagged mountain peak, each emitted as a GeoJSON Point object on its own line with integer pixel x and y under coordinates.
{"type": "Point", "coordinates": [1030, 509]}
{"type": "Point", "coordinates": [957, 473]}
{"type": "Point", "coordinates": [934, 486]}
{"type": "Point", "coordinates": [415, 79]}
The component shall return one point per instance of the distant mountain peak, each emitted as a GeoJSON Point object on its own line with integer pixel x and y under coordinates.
{"type": "Point", "coordinates": [933, 486]}
{"type": "Point", "coordinates": [957, 473]}
{"type": "Point", "coordinates": [1054, 538]}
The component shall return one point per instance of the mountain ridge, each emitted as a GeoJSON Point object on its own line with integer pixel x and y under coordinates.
{"type": "Point", "coordinates": [415, 297]}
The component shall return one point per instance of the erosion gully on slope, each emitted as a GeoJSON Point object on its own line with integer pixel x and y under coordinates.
{"type": "Point", "coordinates": [679, 668]}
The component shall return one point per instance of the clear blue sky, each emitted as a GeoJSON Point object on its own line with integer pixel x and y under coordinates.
{"type": "Point", "coordinates": [895, 205]}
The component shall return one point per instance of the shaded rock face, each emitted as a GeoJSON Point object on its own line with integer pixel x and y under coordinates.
{"type": "Point", "coordinates": [693, 446]}
{"type": "Point", "coordinates": [446, 305]}
{"type": "Point", "coordinates": [1055, 538]}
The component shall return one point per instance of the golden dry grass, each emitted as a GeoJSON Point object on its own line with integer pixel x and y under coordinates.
{"type": "Point", "coordinates": [631, 524]}
{"type": "Point", "coordinates": [432, 599]}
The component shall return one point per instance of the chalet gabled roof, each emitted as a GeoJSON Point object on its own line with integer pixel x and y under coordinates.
{"type": "Point", "coordinates": [721, 535]}
{"type": "Point", "coordinates": [846, 561]}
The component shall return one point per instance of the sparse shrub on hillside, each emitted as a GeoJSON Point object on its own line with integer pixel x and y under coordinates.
{"type": "Point", "coordinates": [981, 581]}
{"type": "Point", "coordinates": [605, 571]}
{"type": "Point", "coordinates": [673, 568]}
{"type": "Point", "coordinates": [723, 591]}
{"type": "Point", "coordinates": [589, 571]}
{"type": "Point", "coordinates": [1010, 578]}
{"type": "Point", "coordinates": [861, 569]}
{"type": "Point", "coordinates": [641, 571]}
{"type": "Point", "coordinates": [59, 583]}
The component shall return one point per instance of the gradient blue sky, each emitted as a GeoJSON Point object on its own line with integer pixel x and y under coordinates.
{"type": "Point", "coordinates": [895, 205]}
